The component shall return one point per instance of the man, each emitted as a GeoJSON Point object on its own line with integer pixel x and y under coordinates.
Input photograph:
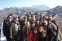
{"type": "Point", "coordinates": [21, 21]}
{"type": "Point", "coordinates": [51, 30]}
{"type": "Point", "coordinates": [6, 25]}
{"type": "Point", "coordinates": [37, 23]}
{"type": "Point", "coordinates": [15, 30]}
{"type": "Point", "coordinates": [33, 18]}
{"type": "Point", "coordinates": [45, 27]}
{"type": "Point", "coordinates": [29, 18]}
{"type": "Point", "coordinates": [42, 34]}
{"type": "Point", "coordinates": [41, 17]}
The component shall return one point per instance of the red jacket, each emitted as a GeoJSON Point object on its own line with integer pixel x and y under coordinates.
{"type": "Point", "coordinates": [32, 37]}
{"type": "Point", "coordinates": [29, 37]}
{"type": "Point", "coordinates": [35, 37]}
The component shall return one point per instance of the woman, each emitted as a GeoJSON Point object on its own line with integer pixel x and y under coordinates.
{"type": "Point", "coordinates": [35, 34]}
{"type": "Point", "coordinates": [27, 32]}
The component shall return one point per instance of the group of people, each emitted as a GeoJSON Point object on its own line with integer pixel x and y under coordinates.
{"type": "Point", "coordinates": [30, 28]}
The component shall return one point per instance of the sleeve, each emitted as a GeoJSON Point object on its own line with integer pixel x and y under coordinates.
{"type": "Point", "coordinates": [11, 27]}
{"type": "Point", "coordinates": [54, 27]}
{"type": "Point", "coordinates": [4, 27]}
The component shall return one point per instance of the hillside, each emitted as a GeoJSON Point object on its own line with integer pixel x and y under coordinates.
{"type": "Point", "coordinates": [32, 10]}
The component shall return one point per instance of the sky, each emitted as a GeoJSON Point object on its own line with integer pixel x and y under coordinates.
{"type": "Point", "coordinates": [29, 3]}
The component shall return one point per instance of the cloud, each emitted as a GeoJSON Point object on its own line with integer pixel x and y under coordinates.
{"type": "Point", "coordinates": [29, 3]}
{"type": "Point", "coordinates": [52, 3]}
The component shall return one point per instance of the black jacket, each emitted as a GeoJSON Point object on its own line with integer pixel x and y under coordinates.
{"type": "Point", "coordinates": [6, 25]}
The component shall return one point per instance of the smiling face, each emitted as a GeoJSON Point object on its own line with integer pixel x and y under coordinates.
{"type": "Point", "coordinates": [37, 21]}
{"type": "Point", "coordinates": [33, 25]}
{"type": "Point", "coordinates": [20, 18]}
{"type": "Point", "coordinates": [45, 23]}
{"type": "Point", "coordinates": [28, 24]}
{"type": "Point", "coordinates": [40, 29]}
{"type": "Point", "coordinates": [16, 20]}
{"type": "Point", "coordinates": [10, 18]}
{"type": "Point", "coordinates": [50, 18]}
{"type": "Point", "coordinates": [35, 30]}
